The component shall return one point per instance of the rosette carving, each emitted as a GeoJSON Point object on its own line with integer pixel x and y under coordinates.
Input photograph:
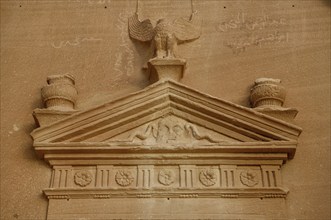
{"type": "Point", "coordinates": [166, 177]}
{"type": "Point", "coordinates": [249, 178]}
{"type": "Point", "coordinates": [124, 177]}
{"type": "Point", "coordinates": [83, 178]}
{"type": "Point", "coordinates": [208, 177]}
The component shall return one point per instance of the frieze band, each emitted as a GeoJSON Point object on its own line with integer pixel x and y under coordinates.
{"type": "Point", "coordinates": [183, 176]}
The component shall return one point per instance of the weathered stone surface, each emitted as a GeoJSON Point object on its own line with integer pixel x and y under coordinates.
{"type": "Point", "coordinates": [240, 42]}
{"type": "Point", "coordinates": [199, 146]}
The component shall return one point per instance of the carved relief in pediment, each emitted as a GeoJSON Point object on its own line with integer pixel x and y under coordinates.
{"type": "Point", "coordinates": [171, 130]}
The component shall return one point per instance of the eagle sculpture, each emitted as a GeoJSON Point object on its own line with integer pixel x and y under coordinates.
{"type": "Point", "coordinates": [166, 35]}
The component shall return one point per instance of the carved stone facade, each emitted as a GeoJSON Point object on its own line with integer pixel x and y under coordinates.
{"type": "Point", "coordinates": [167, 140]}
{"type": "Point", "coordinates": [89, 42]}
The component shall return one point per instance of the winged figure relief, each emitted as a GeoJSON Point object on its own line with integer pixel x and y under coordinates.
{"type": "Point", "coordinates": [165, 35]}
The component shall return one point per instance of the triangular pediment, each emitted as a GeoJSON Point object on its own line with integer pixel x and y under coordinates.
{"type": "Point", "coordinates": [141, 116]}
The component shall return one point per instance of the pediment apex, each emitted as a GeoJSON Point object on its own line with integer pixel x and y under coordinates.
{"type": "Point", "coordinates": [160, 99]}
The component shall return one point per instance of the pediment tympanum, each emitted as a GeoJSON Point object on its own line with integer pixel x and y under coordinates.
{"type": "Point", "coordinates": [167, 140]}
{"type": "Point", "coordinates": [171, 130]}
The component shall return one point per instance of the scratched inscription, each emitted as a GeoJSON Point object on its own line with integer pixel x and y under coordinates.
{"type": "Point", "coordinates": [124, 56]}
{"type": "Point", "coordinates": [253, 31]}
{"type": "Point", "coordinates": [74, 42]}
{"type": "Point", "coordinates": [99, 1]}
{"type": "Point", "coordinates": [93, 2]}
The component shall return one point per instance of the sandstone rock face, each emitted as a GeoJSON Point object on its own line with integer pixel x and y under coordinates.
{"type": "Point", "coordinates": [192, 128]}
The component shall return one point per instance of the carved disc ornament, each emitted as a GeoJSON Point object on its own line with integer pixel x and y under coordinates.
{"type": "Point", "coordinates": [166, 177]}
{"type": "Point", "coordinates": [249, 178]}
{"type": "Point", "coordinates": [83, 178]}
{"type": "Point", "coordinates": [124, 177]}
{"type": "Point", "coordinates": [207, 177]}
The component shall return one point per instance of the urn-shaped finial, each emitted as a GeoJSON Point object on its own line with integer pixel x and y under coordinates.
{"type": "Point", "coordinates": [60, 93]}
{"type": "Point", "coordinates": [267, 92]}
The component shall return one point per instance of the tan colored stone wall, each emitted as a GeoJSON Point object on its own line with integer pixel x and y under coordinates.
{"type": "Point", "coordinates": [89, 40]}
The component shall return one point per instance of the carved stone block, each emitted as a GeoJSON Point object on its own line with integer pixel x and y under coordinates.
{"type": "Point", "coordinates": [166, 69]}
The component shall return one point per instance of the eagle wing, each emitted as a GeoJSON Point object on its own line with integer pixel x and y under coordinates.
{"type": "Point", "coordinates": [187, 29]}
{"type": "Point", "coordinates": [140, 30]}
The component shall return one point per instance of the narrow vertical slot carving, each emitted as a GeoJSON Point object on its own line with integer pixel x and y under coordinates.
{"type": "Point", "coordinates": [221, 178]}
{"type": "Point", "coordinates": [52, 179]}
{"type": "Point", "coordinates": [66, 179]}
{"type": "Point", "coordinates": [232, 178]}
{"type": "Point", "coordinates": [144, 178]}
{"type": "Point", "coordinates": [149, 178]}
{"type": "Point", "coordinates": [57, 178]}
{"type": "Point", "coordinates": [102, 177]}
{"type": "Point", "coordinates": [274, 176]}
{"type": "Point", "coordinates": [108, 177]}
{"type": "Point", "coordinates": [180, 178]}
{"type": "Point", "coordinates": [263, 180]}
{"type": "Point", "coordinates": [96, 178]}
{"type": "Point", "coordinates": [60, 178]}
{"type": "Point", "coordinates": [268, 178]}
{"type": "Point", "coordinates": [185, 174]}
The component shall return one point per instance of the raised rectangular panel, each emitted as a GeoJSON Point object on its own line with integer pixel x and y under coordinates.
{"type": "Point", "coordinates": [145, 176]}
{"type": "Point", "coordinates": [271, 176]}
{"type": "Point", "coordinates": [187, 176]}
